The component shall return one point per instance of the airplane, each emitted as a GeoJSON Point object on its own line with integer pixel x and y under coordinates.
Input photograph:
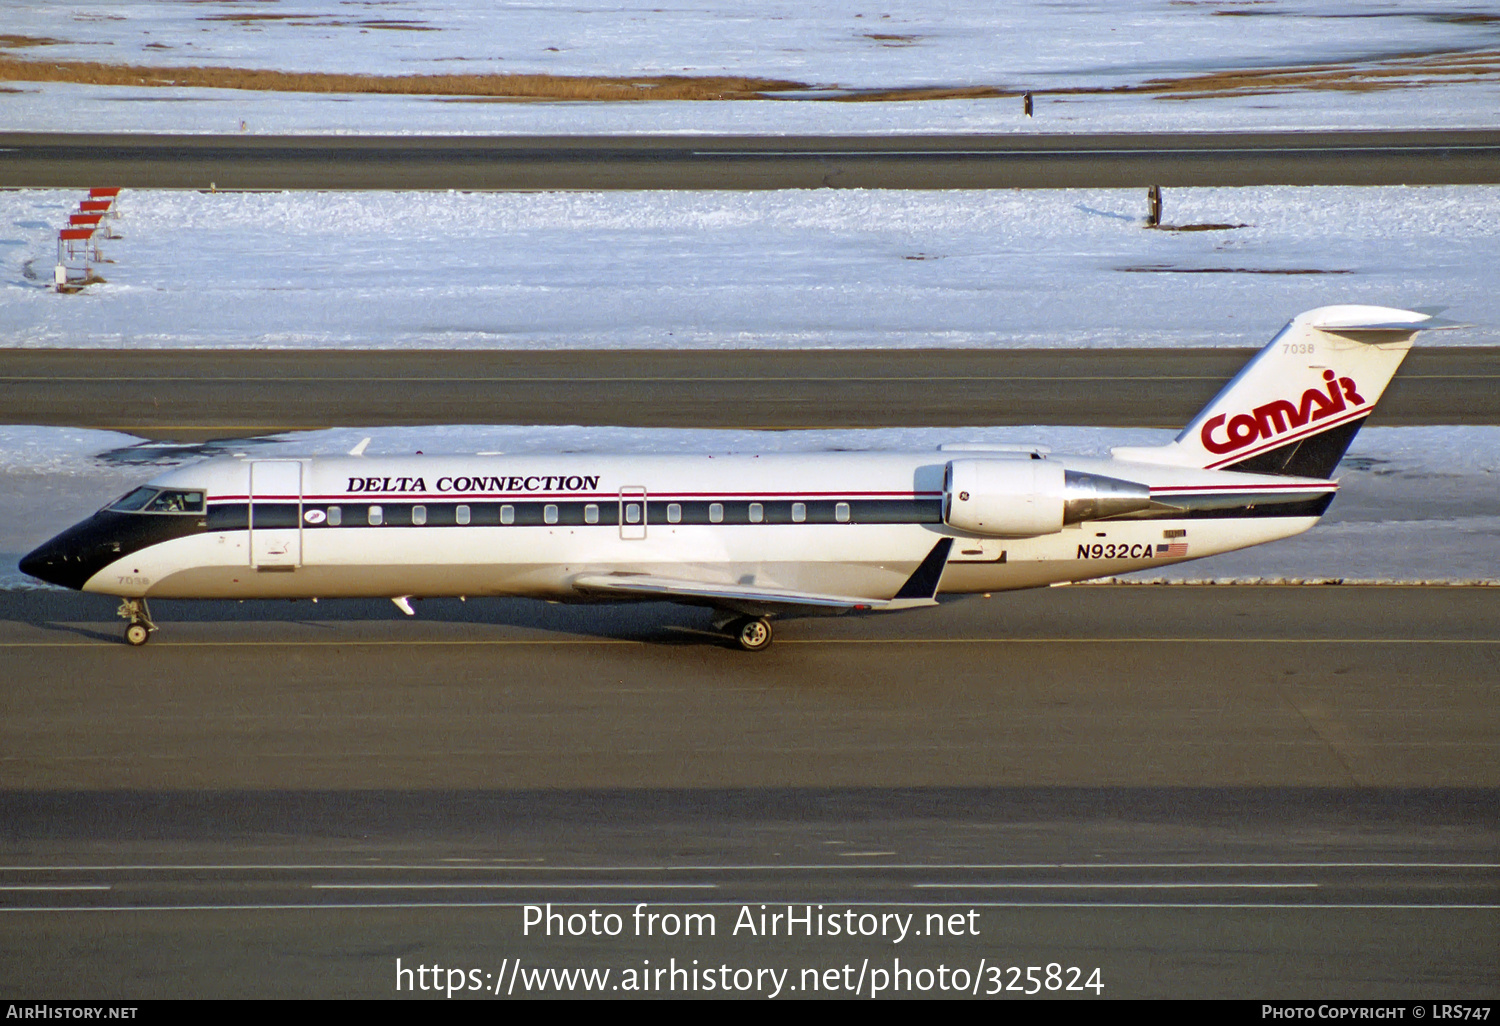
{"type": "Point", "coordinates": [752, 536]}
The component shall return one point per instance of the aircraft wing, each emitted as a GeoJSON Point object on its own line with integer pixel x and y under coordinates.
{"type": "Point", "coordinates": [757, 600]}
{"type": "Point", "coordinates": [744, 598]}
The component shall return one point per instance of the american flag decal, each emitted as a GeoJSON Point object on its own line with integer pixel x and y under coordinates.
{"type": "Point", "coordinates": [1174, 549]}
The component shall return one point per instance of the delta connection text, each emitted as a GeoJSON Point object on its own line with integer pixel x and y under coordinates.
{"type": "Point", "coordinates": [470, 483]}
{"type": "Point", "coordinates": [749, 921]}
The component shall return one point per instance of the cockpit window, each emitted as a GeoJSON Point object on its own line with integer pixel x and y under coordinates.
{"type": "Point", "coordinates": [173, 501]}
{"type": "Point", "coordinates": [160, 500]}
{"type": "Point", "coordinates": [134, 501]}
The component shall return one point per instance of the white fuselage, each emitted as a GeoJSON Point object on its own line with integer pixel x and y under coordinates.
{"type": "Point", "coordinates": [851, 524]}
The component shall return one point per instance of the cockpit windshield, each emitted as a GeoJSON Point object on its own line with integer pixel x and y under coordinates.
{"type": "Point", "coordinates": [159, 500]}
{"type": "Point", "coordinates": [134, 501]}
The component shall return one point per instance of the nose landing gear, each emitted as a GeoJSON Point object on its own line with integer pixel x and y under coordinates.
{"type": "Point", "coordinates": [141, 628]}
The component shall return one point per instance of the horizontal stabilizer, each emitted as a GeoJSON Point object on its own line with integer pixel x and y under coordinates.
{"type": "Point", "coordinates": [1348, 320]}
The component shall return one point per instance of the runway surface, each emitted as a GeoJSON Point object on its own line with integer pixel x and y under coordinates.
{"type": "Point", "coordinates": [197, 394]}
{"type": "Point", "coordinates": [56, 160]}
{"type": "Point", "coordinates": [1246, 791]}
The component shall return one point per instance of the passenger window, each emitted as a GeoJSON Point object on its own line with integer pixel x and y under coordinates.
{"type": "Point", "coordinates": [591, 513]}
{"type": "Point", "coordinates": [841, 512]}
{"type": "Point", "coordinates": [335, 516]}
{"type": "Point", "coordinates": [461, 514]}
{"type": "Point", "coordinates": [674, 513]}
{"type": "Point", "coordinates": [507, 514]}
{"type": "Point", "coordinates": [757, 512]}
{"type": "Point", "coordinates": [632, 513]}
{"type": "Point", "coordinates": [418, 515]}
{"type": "Point", "coordinates": [799, 512]}
{"type": "Point", "coordinates": [715, 512]}
{"type": "Point", "coordinates": [377, 516]}
{"type": "Point", "coordinates": [549, 513]}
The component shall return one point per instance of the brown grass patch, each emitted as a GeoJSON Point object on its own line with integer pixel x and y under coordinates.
{"type": "Point", "coordinates": [1465, 19]}
{"type": "Point", "coordinates": [1403, 71]}
{"type": "Point", "coordinates": [73, 286]}
{"type": "Point", "coordinates": [14, 42]}
{"type": "Point", "coordinates": [909, 93]}
{"type": "Point", "coordinates": [255, 17]}
{"type": "Point", "coordinates": [1394, 73]}
{"type": "Point", "coordinates": [1195, 227]}
{"type": "Point", "coordinates": [531, 87]}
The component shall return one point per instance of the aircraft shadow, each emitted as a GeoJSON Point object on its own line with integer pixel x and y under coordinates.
{"type": "Point", "coordinates": [656, 623]}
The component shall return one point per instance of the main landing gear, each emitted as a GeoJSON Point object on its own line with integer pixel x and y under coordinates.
{"type": "Point", "coordinates": [141, 628]}
{"type": "Point", "coordinates": [751, 633]}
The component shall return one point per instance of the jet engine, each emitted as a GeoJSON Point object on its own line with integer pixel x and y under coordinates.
{"type": "Point", "coordinates": [1026, 498]}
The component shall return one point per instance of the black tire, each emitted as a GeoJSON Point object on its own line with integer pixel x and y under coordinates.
{"type": "Point", "coordinates": [137, 634]}
{"type": "Point", "coordinates": [752, 634]}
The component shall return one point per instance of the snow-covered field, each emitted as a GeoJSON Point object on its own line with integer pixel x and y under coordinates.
{"type": "Point", "coordinates": [1008, 44]}
{"type": "Point", "coordinates": [824, 268]}
{"type": "Point", "coordinates": [1415, 504]}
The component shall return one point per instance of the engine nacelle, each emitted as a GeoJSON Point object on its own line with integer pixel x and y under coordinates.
{"type": "Point", "coordinates": [1026, 498]}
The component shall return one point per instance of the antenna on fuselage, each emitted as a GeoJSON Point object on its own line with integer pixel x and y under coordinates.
{"type": "Point", "coordinates": [359, 450]}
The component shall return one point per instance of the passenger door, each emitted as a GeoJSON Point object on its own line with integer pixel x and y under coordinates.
{"type": "Point", "coordinates": [275, 514]}
{"type": "Point", "coordinates": [632, 513]}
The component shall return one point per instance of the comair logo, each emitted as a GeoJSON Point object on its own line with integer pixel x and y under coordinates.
{"type": "Point", "coordinates": [1281, 416]}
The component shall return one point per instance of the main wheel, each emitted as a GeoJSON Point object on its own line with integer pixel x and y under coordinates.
{"type": "Point", "coordinates": [753, 635]}
{"type": "Point", "coordinates": [137, 634]}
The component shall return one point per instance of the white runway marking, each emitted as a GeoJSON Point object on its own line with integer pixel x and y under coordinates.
{"type": "Point", "coordinates": [1104, 886]}
{"type": "Point", "coordinates": [543, 886]}
{"type": "Point", "coordinates": [1205, 905]}
{"type": "Point", "coordinates": [722, 868]}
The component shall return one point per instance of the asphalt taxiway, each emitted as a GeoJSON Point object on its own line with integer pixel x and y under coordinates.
{"type": "Point", "coordinates": [1231, 791]}
{"type": "Point", "coordinates": [197, 394]}
{"type": "Point", "coordinates": [970, 161]}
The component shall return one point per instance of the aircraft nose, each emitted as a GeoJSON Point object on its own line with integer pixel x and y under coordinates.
{"type": "Point", "coordinates": [57, 562]}
{"type": "Point", "coordinates": [43, 563]}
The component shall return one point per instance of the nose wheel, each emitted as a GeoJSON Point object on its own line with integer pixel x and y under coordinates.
{"type": "Point", "coordinates": [753, 634]}
{"type": "Point", "coordinates": [141, 628]}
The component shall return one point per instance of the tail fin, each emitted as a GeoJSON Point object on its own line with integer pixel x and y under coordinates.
{"type": "Point", "coordinates": [1296, 406]}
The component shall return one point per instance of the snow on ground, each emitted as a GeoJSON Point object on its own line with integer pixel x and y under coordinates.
{"type": "Point", "coordinates": [812, 268]}
{"type": "Point", "coordinates": [853, 43]}
{"type": "Point", "coordinates": [53, 107]}
{"type": "Point", "coordinates": [1009, 44]}
{"type": "Point", "coordinates": [1415, 504]}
